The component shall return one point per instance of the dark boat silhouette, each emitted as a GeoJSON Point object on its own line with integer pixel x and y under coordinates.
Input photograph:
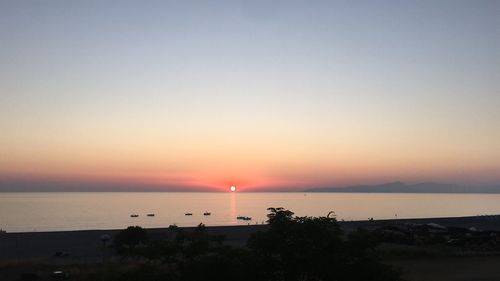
{"type": "Point", "coordinates": [134, 216]}
{"type": "Point", "coordinates": [243, 218]}
{"type": "Point", "coordinates": [150, 215]}
{"type": "Point", "coordinates": [207, 214]}
{"type": "Point", "coordinates": [188, 214]}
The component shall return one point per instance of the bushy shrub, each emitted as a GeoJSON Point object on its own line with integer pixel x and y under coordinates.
{"type": "Point", "coordinates": [130, 238]}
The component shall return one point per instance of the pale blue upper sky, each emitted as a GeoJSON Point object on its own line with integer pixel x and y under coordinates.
{"type": "Point", "coordinates": [396, 77]}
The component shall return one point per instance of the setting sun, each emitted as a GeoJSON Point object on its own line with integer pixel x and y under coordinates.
{"type": "Point", "coordinates": [232, 188]}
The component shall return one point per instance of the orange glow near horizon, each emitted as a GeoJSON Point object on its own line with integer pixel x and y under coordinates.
{"type": "Point", "coordinates": [217, 153]}
{"type": "Point", "coordinates": [265, 160]}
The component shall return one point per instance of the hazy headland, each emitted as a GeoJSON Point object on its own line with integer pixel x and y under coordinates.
{"type": "Point", "coordinates": [425, 187]}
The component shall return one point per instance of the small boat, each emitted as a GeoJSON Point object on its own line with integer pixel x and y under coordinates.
{"type": "Point", "coordinates": [207, 214]}
{"type": "Point", "coordinates": [243, 218]}
{"type": "Point", "coordinates": [188, 214]}
{"type": "Point", "coordinates": [134, 216]}
{"type": "Point", "coordinates": [150, 215]}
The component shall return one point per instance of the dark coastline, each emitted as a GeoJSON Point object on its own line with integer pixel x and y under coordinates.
{"type": "Point", "coordinates": [86, 246]}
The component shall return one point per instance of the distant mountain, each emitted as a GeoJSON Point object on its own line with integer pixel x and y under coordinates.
{"type": "Point", "coordinates": [400, 187]}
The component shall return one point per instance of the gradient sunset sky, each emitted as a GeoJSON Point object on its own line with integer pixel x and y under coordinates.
{"type": "Point", "coordinates": [261, 94]}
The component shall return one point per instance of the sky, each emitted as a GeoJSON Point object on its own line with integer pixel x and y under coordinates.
{"type": "Point", "coordinates": [265, 95]}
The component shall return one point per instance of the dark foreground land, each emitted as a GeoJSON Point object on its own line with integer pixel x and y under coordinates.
{"type": "Point", "coordinates": [440, 255]}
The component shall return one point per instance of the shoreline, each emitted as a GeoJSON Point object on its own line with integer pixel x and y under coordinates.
{"type": "Point", "coordinates": [455, 220]}
{"type": "Point", "coordinates": [86, 246]}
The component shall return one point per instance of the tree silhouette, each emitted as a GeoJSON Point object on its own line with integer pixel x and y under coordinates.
{"type": "Point", "coordinates": [291, 249]}
{"type": "Point", "coordinates": [314, 248]}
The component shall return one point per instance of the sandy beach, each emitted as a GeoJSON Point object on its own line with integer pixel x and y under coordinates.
{"type": "Point", "coordinates": [21, 252]}
{"type": "Point", "coordinates": [86, 246]}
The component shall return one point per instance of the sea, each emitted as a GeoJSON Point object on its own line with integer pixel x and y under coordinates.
{"type": "Point", "coordinates": [60, 211]}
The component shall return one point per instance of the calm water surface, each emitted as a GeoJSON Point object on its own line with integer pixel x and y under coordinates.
{"type": "Point", "coordinates": [73, 211]}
